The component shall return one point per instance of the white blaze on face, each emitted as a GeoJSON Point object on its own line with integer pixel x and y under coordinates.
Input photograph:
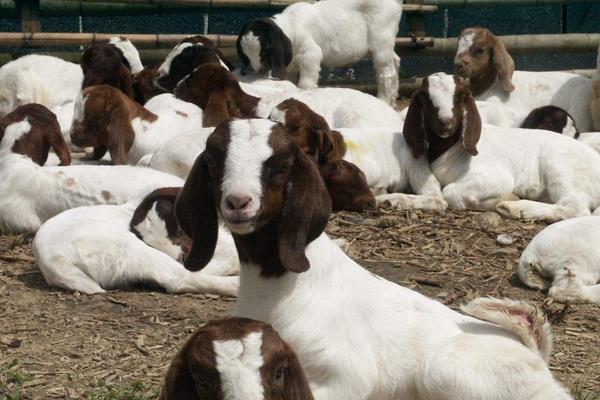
{"type": "Point", "coordinates": [129, 52]}
{"type": "Point", "coordinates": [247, 151]}
{"type": "Point", "coordinates": [441, 93]}
{"type": "Point", "coordinates": [79, 109]}
{"type": "Point", "coordinates": [154, 233]}
{"type": "Point", "coordinates": [238, 363]}
{"type": "Point", "coordinates": [14, 132]}
{"type": "Point", "coordinates": [165, 67]}
{"type": "Point", "coordinates": [251, 47]}
{"type": "Point", "coordinates": [464, 44]}
{"type": "Point", "coordinates": [277, 115]}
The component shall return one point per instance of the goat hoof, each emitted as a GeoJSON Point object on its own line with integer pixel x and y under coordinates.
{"type": "Point", "coordinates": [508, 210]}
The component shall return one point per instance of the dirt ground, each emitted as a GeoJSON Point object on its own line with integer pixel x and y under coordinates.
{"type": "Point", "coordinates": [55, 344]}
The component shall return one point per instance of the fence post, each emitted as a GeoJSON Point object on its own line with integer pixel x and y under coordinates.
{"type": "Point", "coordinates": [416, 24]}
{"type": "Point", "coordinates": [30, 15]}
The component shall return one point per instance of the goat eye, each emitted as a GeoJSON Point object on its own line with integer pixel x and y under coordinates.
{"type": "Point", "coordinates": [210, 161]}
{"type": "Point", "coordinates": [279, 373]}
{"type": "Point", "coordinates": [479, 51]}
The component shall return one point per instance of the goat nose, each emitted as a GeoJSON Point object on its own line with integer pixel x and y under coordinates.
{"type": "Point", "coordinates": [446, 120]}
{"type": "Point", "coordinates": [237, 202]}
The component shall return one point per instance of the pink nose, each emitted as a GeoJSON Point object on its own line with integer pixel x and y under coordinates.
{"type": "Point", "coordinates": [235, 202]}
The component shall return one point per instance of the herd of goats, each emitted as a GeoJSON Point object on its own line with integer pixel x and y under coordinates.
{"type": "Point", "coordinates": [205, 179]}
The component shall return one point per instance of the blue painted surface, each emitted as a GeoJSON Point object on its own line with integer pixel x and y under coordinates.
{"type": "Point", "coordinates": [583, 18]}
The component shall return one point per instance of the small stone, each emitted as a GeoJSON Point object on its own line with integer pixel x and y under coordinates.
{"type": "Point", "coordinates": [488, 220]}
{"type": "Point", "coordinates": [505, 239]}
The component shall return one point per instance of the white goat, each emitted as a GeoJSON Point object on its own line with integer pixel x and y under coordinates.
{"type": "Point", "coordinates": [104, 116]}
{"type": "Point", "coordinates": [293, 44]}
{"type": "Point", "coordinates": [387, 343]}
{"type": "Point", "coordinates": [33, 194]}
{"type": "Point", "coordinates": [92, 249]}
{"type": "Point", "coordinates": [483, 58]}
{"type": "Point", "coordinates": [490, 168]}
{"type": "Point", "coordinates": [565, 258]}
{"type": "Point", "coordinates": [380, 153]}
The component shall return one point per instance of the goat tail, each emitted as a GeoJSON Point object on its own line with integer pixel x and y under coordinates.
{"type": "Point", "coordinates": [525, 320]}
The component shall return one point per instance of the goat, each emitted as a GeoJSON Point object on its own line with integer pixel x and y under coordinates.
{"type": "Point", "coordinates": [33, 130]}
{"type": "Point", "coordinates": [294, 43]}
{"type": "Point", "coordinates": [105, 117]}
{"type": "Point", "coordinates": [483, 58]}
{"type": "Point", "coordinates": [143, 84]}
{"type": "Point", "coordinates": [389, 342]}
{"type": "Point", "coordinates": [381, 154]}
{"type": "Point", "coordinates": [493, 169]}
{"type": "Point", "coordinates": [34, 194]}
{"type": "Point", "coordinates": [236, 359]}
{"type": "Point", "coordinates": [595, 96]}
{"type": "Point", "coordinates": [219, 94]}
{"type": "Point", "coordinates": [551, 118]}
{"type": "Point", "coordinates": [92, 249]}
{"type": "Point", "coordinates": [130, 53]}
{"type": "Point", "coordinates": [104, 63]}
{"type": "Point", "coordinates": [564, 258]}
{"type": "Point", "coordinates": [45, 80]}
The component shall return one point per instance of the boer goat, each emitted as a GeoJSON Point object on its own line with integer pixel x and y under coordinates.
{"type": "Point", "coordinates": [483, 58]}
{"type": "Point", "coordinates": [564, 258]}
{"type": "Point", "coordinates": [105, 118]}
{"type": "Point", "coordinates": [236, 359]}
{"type": "Point", "coordinates": [33, 194]}
{"type": "Point", "coordinates": [387, 343]}
{"type": "Point", "coordinates": [557, 176]}
{"type": "Point", "coordinates": [551, 118]}
{"type": "Point", "coordinates": [43, 133]}
{"type": "Point", "coordinates": [104, 63]}
{"type": "Point", "coordinates": [293, 44]}
{"type": "Point", "coordinates": [93, 249]}
{"type": "Point", "coordinates": [219, 94]}
{"type": "Point", "coordinates": [380, 153]}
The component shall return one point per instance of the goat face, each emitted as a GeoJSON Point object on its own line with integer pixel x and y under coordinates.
{"type": "Point", "coordinates": [347, 185]}
{"type": "Point", "coordinates": [483, 57]}
{"type": "Point", "coordinates": [263, 45]}
{"type": "Point", "coordinates": [236, 359]}
{"type": "Point", "coordinates": [155, 224]}
{"type": "Point", "coordinates": [259, 181]}
{"type": "Point", "coordinates": [441, 113]}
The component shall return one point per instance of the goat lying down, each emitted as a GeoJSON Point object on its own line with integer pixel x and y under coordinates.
{"type": "Point", "coordinates": [483, 58]}
{"type": "Point", "coordinates": [93, 249]}
{"type": "Point", "coordinates": [487, 168]}
{"type": "Point", "coordinates": [564, 258]}
{"type": "Point", "coordinates": [236, 359]}
{"type": "Point", "coordinates": [219, 94]}
{"type": "Point", "coordinates": [294, 43]}
{"type": "Point", "coordinates": [387, 343]}
{"type": "Point", "coordinates": [105, 117]}
{"type": "Point", "coordinates": [33, 194]}
{"type": "Point", "coordinates": [381, 154]}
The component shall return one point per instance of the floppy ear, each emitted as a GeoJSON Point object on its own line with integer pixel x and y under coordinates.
{"type": "Point", "coordinates": [238, 46]}
{"type": "Point", "coordinates": [414, 129]}
{"type": "Point", "coordinates": [471, 125]}
{"type": "Point", "coordinates": [504, 65]}
{"type": "Point", "coordinates": [126, 82]}
{"type": "Point", "coordinates": [281, 52]}
{"type": "Point", "coordinates": [99, 152]}
{"type": "Point", "coordinates": [306, 210]}
{"type": "Point", "coordinates": [197, 215]}
{"type": "Point", "coordinates": [295, 382]}
{"type": "Point", "coordinates": [217, 109]}
{"type": "Point", "coordinates": [141, 211]}
{"type": "Point", "coordinates": [57, 142]}
{"type": "Point", "coordinates": [120, 135]}
{"type": "Point", "coordinates": [179, 383]}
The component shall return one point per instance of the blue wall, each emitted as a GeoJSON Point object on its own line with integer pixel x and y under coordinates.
{"type": "Point", "coordinates": [582, 18]}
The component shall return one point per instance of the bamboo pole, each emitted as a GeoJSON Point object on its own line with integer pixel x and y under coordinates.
{"type": "Point", "coordinates": [495, 3]}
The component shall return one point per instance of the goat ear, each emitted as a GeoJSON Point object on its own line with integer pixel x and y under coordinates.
{"type": "Point", "coordinates": [281, 52]}
{"type": "Point", "coordinates": [471, 128]}
{"type": "Point", "coordinates": [305, 213]}
{"type": "Point", "coordinates": [179, 383]}
{"type": "Point", "coordinates": [337, 149]}
{"type": "Point", "coordinates": [504, 65]}
{"type": "Point", "coordinates": [414, 130]}
{"type": "Point", "coordinates": [120, 135]}
{"type": "Point", "coordinates": [57, 142]}
{"type": "Point", "coordinates": [238, 46]}
{"type": "Point", "coordinates": [126, 83]}
{"type": "Point", "coordinates": [99, 152]}
{"type": "Point", "coordinates": [295, 382]}
{"type": "Point", "coordinates": [197, 216]}
{"type": "Point", "coordinates": [217, 109]}
{"type": "Point", "coordinates": [140, 213]}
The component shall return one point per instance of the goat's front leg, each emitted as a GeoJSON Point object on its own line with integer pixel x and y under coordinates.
{"type": "Point", "coordinates": [309, 66]}
{"type": "Point", "coordinates": [535, 210]}
{"type": "Point", "coordinates": [402, 201]}
{"type": "Point", "coordinates": [387, 63]}
{"type": "Point", "coordinates": [475, 193]}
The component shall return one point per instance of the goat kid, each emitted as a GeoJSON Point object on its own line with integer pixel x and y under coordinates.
{"type": "Point", "coordinates": [564, 258]}
{"type": "Point", "coordinates": [388, 343]}
{"type": "Point", "coordinates": [483, 58]}
{"type": "Point", "coordinates": [558, 176]}
{"type": "Point", "coordinates": [293, 44]}
{"type": "Point", "coordinates": [381, 155]}
{"type": "Point", "coordinates": [105, 118]}
{"type": "Point", "coordinates": [551, 118]}
{"type": "Point", "coordinates": [93, 249]}
{"type": "Point", "coordinates": [236, 359]}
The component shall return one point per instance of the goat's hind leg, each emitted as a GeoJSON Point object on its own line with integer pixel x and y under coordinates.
{"type": "Point", "coordinates": [535, 210]}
